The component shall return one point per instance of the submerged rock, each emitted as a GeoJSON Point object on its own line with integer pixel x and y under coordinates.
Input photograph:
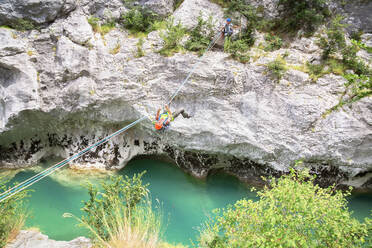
{"type": "Point", "coordinates": [33, 239]}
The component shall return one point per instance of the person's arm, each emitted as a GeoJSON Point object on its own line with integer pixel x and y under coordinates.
{"type": "Point", "coordinates": [157, 115]}
{"type": "Point", "coordinates": [169, 112]}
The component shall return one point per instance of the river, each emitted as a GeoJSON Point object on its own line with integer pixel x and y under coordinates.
{"type": "Point", "coordinates": [186, 201]}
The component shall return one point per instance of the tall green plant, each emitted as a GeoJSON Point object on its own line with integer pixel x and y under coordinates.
{"type": "Point", "coordinates": [119, 214]}
{"type": "Point", "coordinates": [13, 213]}
{"type": "Point", "coordinates": [172, 37]}
{"type": "Point", "coordinates": [304, 14]}
{"type": "Point", "coordinates": [200, 36]}
{"type": "Point", "coordinates": [293, 212]}
{"type": "Point", "coordinates": [139, 19]}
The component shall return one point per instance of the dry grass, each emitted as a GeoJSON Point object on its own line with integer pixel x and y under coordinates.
{"type": "Point", "coordinates": [17, 227]}
{"type": "Point", "coordinates": [116, 49]}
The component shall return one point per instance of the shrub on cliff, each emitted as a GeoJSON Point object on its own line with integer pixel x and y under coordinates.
{"type": "Point", "coordinates": [139, 19]}
{"type": "Point", "coordinates": [200, 36]}
{"type": "Point", "coordinates": [120, 214]}
{"type": "Point", "coordinates": [293, 212]}
{"type": "Point", "coordinates": [13, 214]}
{"type": "Point", "coordinates": [172, 38]}
{"type": "Point", "coordinates": [305, 14]}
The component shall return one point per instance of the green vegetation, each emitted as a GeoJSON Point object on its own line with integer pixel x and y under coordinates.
{"type": "Point", "coordinates": [334, 45]}
{"type": "Point", "coordinates": [357, 87]}
{"type": "Point", "coordinates": [22, 25]}
{"type": "Point", "coordinates": [335, 38]}
{"type": "Point", "coordinates": [293, 212]}
{"type": "Point", "coordinates": [103, 28]}
{"type": "Point", "coordinates": [237, 49]}
{"type": "Point", "coordinates": [13, 214]}
{"type": "Point", "coordinates": [305, 14]}
{"type": "Point", "coordinates": [172, 38]}
{"type": "Point", "coordinates": [139, 19]}
{"type": "Point", "coordinates": [177, 3]}
{"type": "Point", "coordinates": [277, 68]}
{"type": "Point", "coordinates": [200, 36]}
{"type": "Point", "coordinates": [140, 52]}
{"type": "Point", "coordinates": [120, 214]}
{"type": "Point", "coordinates": [272, 43]}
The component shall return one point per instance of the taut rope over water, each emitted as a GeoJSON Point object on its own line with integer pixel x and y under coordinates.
{"type": "Point", "coordinates": [27, 183]}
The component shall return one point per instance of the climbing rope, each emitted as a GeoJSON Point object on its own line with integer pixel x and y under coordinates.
{"type": "Point", "coordinates": [27, 183]}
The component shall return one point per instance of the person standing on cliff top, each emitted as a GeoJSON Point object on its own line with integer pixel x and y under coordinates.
{"type": "Point", "coordinates": [163, 120]}
{"type": "Point", "coordinates": [227, 30]}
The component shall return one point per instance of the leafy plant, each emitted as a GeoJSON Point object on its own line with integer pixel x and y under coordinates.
{"type": "Point", "coordinates": [119, 214]}
{"type": "Point", "coordinates": [172, 38]}
{"type": "Point", "coordinates": [13, 214]}
{"type": "Point", "coordinates": [237, 49]}
{"type": "Point", "coordinates": [273, 42]}
{"type": "Point", "coordinates": [293, 212]}
{"type": "Point", "coordinates": [200, 36]}
{"type": "Point", "coordinates": [305, 14]}
{"type": "Point", "coordinates": [22, 25]}
{"type": "Point", "coordinates": [335, 39]}
{"type": "Point", "coordinates": [277, 68]}
{"type": "Point", "coordinates": [139, 19]}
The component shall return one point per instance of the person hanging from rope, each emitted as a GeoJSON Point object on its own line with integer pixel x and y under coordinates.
{"type": "Point", "coordinates": [227, 30]}
{"type": "Point", "coordinates": [163, 120]}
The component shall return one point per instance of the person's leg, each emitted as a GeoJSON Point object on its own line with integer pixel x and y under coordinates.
{"type": "Point", "coordinates": [182, 112]}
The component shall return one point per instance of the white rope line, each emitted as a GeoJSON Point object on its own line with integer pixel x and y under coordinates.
{"type": "Point", "coordinates": [36, 178]}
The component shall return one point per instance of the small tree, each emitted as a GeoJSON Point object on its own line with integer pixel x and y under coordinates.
{"type": "Point", "coordinates": [172, 38]}
{"type": "Point", "coordinates": [13, 214]}
{"type": "Point", "coordinates": [294, 212]}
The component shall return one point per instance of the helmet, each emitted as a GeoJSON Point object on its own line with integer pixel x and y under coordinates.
{"type": "Point", "coordinates": [228, 19]}
{"type": "Point", "coordinates": [158, 125]}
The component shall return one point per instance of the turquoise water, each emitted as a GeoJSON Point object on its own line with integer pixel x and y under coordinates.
{"type": "Point", "coordinates": [186, 201]}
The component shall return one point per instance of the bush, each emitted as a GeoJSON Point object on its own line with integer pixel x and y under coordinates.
{"type": "Point", "coordinates": [237, 49]}
{"type": "Point", "coordinates": [13, 214]}
{"type": "Point", "coordinates": [358, 87]}
{"type": "Point", "coordinates": [272, 42]}
{"type": "Point", "coordinates": [22, 25]}
{"type": "Point", "coordinates": [293, 212]}
{"type": "Point", "coordinates": [172, 38]}
{"type": "Point", "coordinates": [200, 36]}
{"type": "Point", "coordinates": [305, 14]}
{"type": "Point", "coordinates": [335, 39]}
{"type": "Point", "coordinates": [119, 214]}
{"type": "Point", "coordinates": [277, 68]}
{"type": "Point", "coordinates": [139, 19]}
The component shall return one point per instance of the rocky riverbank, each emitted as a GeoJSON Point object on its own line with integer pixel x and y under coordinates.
{"type": "Point", "coordinates": [64, 87]}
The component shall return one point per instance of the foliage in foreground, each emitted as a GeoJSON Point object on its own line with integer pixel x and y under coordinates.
{"type": "Point", "coordinates": [13, 214]}
{"type": "Point", "coordinates": [293, 212]}
{"type": "Point", "coordinates": [119, 214]}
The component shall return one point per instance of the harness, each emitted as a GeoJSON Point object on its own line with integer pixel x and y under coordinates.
{"type": "Point", "coordinates": [228, 29]}
{"type": "Point", "coordinates": [163, 118]}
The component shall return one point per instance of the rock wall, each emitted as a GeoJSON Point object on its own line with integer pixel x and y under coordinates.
{"type": "Point", "coordinates": [64, 87]}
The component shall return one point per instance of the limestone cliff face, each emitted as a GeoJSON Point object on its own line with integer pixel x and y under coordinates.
{"type": "Point", "coordinates": [64, 87]}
